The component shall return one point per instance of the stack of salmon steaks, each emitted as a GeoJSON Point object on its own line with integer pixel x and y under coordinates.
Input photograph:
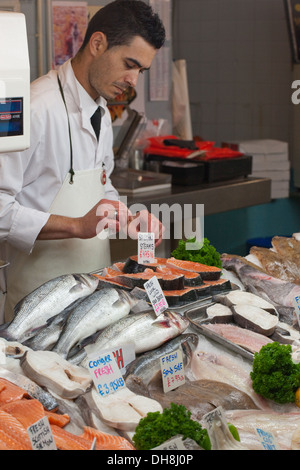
{"type": "Point", "coordinates": [181, 281]}
{"type": "Point", "coordinates": [18, 411]}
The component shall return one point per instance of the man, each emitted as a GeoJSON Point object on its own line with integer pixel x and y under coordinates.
{"type": "Point", "coordinates": [57, 195]}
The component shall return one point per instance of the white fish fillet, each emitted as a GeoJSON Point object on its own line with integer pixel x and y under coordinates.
{"type": "Point", "coordinates": [221, 368]}
{"type": "Point", "coordinates": [281, 425]}
{"type": "Point", "coordinates": [122, 409]}
{"type": "Point", "coordinates": [50, 370]}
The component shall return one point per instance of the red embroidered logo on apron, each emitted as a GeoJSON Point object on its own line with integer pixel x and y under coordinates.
{"type": "Point", "coordinates": [103, 177]}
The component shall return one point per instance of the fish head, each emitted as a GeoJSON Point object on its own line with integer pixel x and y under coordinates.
{"type": "Point", "coordinates": [85, 283]}
{"type": "Point", "coordinates": [189, 345]}
{"type": "Point", "coordinates": [170, 319]}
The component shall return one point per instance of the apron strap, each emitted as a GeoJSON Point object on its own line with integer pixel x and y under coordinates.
{"type": "Point", "coordinates": [71, 171]}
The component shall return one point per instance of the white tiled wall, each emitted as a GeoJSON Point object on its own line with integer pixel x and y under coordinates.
{"type": "Point", "coordinates": [239, 67]}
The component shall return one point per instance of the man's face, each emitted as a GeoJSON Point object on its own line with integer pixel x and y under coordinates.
{"type": "Point", "coordinates": [117, 68]}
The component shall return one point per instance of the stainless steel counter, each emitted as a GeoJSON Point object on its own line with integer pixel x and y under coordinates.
{"type": "Point", "coordinates": [216, 197]}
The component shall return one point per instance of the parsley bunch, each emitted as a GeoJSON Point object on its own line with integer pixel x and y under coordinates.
{"type": "Point", "coordinates": [205, 254]}
{"type": "Point", "coordinates": [157, 428]}
{"type": "Point", "coordinates": [274, 374]}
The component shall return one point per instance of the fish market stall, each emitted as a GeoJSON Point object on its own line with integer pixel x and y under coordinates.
{"type": "Point", "coordinates": [90, 357]}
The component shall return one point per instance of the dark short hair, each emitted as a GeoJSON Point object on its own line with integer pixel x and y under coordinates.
{"type": "Point", "coordinates": [122, 20]}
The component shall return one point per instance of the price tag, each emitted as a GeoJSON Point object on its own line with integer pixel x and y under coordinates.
{"type": "Point", "coordinates": [41, 436]}
{"type": "Point", "coordinates": [267, 439]}
{"type": "Point", "coordinates": [156, 296]}
{"type": "Point", "coordinates": [123, 354]}
{"type": "Point", "coordinates": [146, 248]}
{"type": "Point", "coordinates": [172, 370]}
{"type": "Point", "coordinates": [296, 303]}
{"type": "Point", "coordinates": [175, 443]}
{"type": "Point", "coordinates": [105, 373]}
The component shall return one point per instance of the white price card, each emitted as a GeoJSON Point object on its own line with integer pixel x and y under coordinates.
{"type": "Point", "coordinates": [124, 355]}
{"type": "Point", "coordinates": [41, 436]}
{"type": "Point", "coordinates": [172, 370]}
{"type": "Point", "coordinates": [105, 373]}
{"type": "Point", "coordinates": [146, 247]}
{"type": "Point", "coordinates": [267, 439]}
{"type": "Point", "coordinates": [175, 443]}
{"type": "Point", "coordinates": [156, 295]}
{"type": "Point", "coordinates": [296, 303]}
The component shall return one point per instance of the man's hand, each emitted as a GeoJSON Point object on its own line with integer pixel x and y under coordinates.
{"type": "Point", "coordinates": [144, 221]}
{"type": "Point", "coordinates": [106, 214]}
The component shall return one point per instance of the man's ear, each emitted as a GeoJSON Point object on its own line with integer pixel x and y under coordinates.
{"type": "Point", "coordinates": [98, 43]}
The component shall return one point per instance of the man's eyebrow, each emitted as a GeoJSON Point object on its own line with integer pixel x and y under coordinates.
{"type": "Point", "coordinates": [137, 63]}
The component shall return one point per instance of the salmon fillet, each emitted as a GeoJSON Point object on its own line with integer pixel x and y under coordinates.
{"type": "Point", "coordinates": [27, 412]}
{"type": "Point", "coordinates": [65, 440]}
{"type": "Point", "coordinates": [10, 392]}
{"type": "Point", "coordinates": [106, 441]}
{"type": "Point", "coordinates": [13, 435]}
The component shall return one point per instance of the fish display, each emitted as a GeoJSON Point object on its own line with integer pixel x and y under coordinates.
{"type": "Point", "coordinates": [144, 330]}
{"type": "Point", "coordinates": [45, 302]}
{"type": "Point", "coordinates": [43, 351]}
{"type": "Point", "coordinates": [94, 313]}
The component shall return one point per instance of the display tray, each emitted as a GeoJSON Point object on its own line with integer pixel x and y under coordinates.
{"type": "Point", "coordinates": [198, 318]}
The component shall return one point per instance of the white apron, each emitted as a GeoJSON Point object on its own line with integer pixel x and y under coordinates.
{"type": "Point", "coordinates": [51, 258]}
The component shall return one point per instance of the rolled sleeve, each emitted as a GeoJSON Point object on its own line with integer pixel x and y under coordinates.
{"type": "Point", "coordinates": [25, 228]}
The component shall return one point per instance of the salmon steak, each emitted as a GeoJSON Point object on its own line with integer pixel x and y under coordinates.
{"type": "Point", "coordinates": [210, 273]}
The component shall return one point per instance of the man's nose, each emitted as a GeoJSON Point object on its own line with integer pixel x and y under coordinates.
{"type": "Point", "coordinates": [132, 78]}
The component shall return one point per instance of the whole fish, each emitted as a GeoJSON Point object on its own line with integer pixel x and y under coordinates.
{"type": "Point", "coordinates": [94, 313]}
{"type": "Point", "coordinates": [47, 336]}
{"type": "Point", "coordinates": [144, 330]}
{"type": "Point", "coordinates": [274, 290]}
{"type": "Point", "coordinates": [50, 299]}
{"type": "Point", "coordinates": [148, 364]}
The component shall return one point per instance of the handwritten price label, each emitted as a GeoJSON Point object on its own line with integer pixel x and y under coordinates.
{"type": "Point", "coordinates": [267, 439]}
{"type": "Point", "coordinates": [41, 436]}
{"type": "Point", "coordinates": [146, 248]}
{"type": "Point", "coordinates": [105, 373]}
{"type": "Point", "coordinates": [172, 370]}
{"type": "Point", "coordinates": [156, 295]}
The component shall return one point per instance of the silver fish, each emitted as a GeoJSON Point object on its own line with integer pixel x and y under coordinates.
{"type": "Point", "coordinates": [145, 331]}
{"type": "Point", "coordinates": [46, 337]}
{"type": "Point", "coordinates": [94, 313]}
{"type": "Point", "coordinates": [48, 300]}
{"type": "Point", "coordinates": [34, 390]}
{"type": "Point", "coordinates": [148, 364]}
